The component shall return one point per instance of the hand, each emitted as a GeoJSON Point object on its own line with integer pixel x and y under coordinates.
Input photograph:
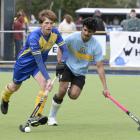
{"type": "Point", "coordinates": [60, 68]}
{"type": "Point", "coordinates": [49, 85]}
{"type": "Point", "coordinates": [106, 92]}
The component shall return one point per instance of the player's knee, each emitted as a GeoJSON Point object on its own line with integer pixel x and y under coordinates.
{"type": "Point", "coordinates": [73, 96]}
{"type": "Point", "coordinates": [13, 87]}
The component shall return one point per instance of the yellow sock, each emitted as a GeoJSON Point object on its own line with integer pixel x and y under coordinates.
{"type": "Point", "coordinates": [6, 94]}
{"type": "Point", "coordinates": [38, 98]}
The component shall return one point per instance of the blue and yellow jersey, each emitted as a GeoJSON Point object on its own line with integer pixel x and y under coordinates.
{"type": "Point", "coordinates": [36, 42]}
{"type": "Point", "coordinates": [34, 53]}
{"type": "Point", "coordinates": [80, 53]}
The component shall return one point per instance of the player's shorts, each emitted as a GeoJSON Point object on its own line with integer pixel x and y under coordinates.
{"type": "Point", "coordinates": [24, 71]}
{"type": "Point", "coordinates": [68, 76]}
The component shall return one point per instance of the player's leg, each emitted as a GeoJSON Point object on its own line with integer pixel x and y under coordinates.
{"type": "Point", "coordinates": [41, 94]}
{"type": "Point", "coordinates": [56, 103]}
{"type": "Point", "coordinates": [77, 85]}
{"type": "Point", "coordinates": [6, 94]}
{"type": "Point", "coordinates": [74, 91]}
{"type": "Point", "coordinates": [20, 74]}
{"type": "Point", "coordinates": [38, 118]}
{"type": "Point", "coordinates": [64, 79]}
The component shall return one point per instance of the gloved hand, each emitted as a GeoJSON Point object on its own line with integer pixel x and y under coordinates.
{"type": "Point", "coordinates": [60, 67]}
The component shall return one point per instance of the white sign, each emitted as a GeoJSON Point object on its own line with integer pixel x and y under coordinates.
{"type": "Point", "coordinates": [102, 40]}
{"type": "Point", "coordinates": [125, 49]}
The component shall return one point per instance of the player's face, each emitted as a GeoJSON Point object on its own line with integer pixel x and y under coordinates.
{"type": "Point", "coordinates": [47, 26]}
{"type": "Point", "coordinates": [86, 33]}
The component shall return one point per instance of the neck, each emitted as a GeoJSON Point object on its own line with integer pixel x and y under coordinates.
{"type": "Point", "coordinates": [44, 33]}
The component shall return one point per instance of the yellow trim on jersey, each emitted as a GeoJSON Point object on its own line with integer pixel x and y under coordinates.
{"type": "Point", "coordinates": [82, 56]}
{"type": "Point", "coordinates": [61, 43]}
{"type": "Point", "coordinates": [25, 52]}
{"type": "Point", "coordinates": [46, 45]}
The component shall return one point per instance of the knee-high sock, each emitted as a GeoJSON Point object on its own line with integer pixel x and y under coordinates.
{"type": "Point", "coordinates": [54, 109]}
{"type": "Point", "coordinates": [6, 94]}
{"type": "Point", "coordinates": [38, 98]}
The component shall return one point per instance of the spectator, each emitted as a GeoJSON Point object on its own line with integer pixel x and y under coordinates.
{"type": "Point", "coordinates": [33, 19]}
{"type": "Point", "coordinates": [26, 21]}
{"type": "Point", "coordinates": [116, 21]}
{"type": "Point", "coordinates": [131, 24]}
{"type": "Point", "coordinates": [18, 36]}
{"type": "Point", "coordinates": [100, 23]}
{"type": "Point", "coordinates": [67, 26]}
{"type": "Point", "coordinates": [79, 23]}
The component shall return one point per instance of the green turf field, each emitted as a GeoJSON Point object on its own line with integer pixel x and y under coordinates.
{"type": "Point", "coordinates": [91, 117]}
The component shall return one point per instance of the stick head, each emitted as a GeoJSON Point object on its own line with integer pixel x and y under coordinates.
{"type": "Point", "coordinates": [36, 121]}
{"type": "Point", "coordinates": [138, 128]}
{"type": "Point", "coordinates": [22, 128]}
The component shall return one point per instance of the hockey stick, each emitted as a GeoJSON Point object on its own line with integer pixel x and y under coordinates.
{"type": "Point", "coordinates": [131, 115]}
{"type": "Point", "coordinates": [42, 120]}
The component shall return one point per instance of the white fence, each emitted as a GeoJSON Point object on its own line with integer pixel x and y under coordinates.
{"type": "Point", "coordinates": [53, 51]}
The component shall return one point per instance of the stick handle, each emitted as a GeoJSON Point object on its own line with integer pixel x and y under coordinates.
{"type": "Point", "coordinates": [132, 116]}
{"type": "Point", "coordinates": [41, 101]}
{"type": "Point", "coordinates": [46, 93]}
{"type": "Point", "coordinates": [54, 80]}
{"type": "Point", "coordinates": [117, 103]}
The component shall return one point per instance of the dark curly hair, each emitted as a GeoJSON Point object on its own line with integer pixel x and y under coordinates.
{"type": "Point", "coordinates": [90, 23]}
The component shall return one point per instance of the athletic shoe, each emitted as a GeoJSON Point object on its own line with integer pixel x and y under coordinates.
{"type": "Point", "coordinates": [4, 106]}
{"type": "Point", "coordinates": [52, 121]}
{"type": "Point", "coordinates": [38, 120]}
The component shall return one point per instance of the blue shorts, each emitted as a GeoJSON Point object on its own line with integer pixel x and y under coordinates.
{"type": "Point", "coordinates": [23, 71]}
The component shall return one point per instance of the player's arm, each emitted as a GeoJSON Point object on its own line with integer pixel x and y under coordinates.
{"type": "Point", "coordinates": [41, 65]}
{"type": "Point", "coordinates": [61, 63]}
{"type": "Point", "coordinates": [101, 73]}
{"type": "Point", "coordinates": [35, 50]}
{"type": "Point", "coordinates": [43, 70]}
{"type": "Point", "coordinates": [62, 48]}
{"type": "Point", "coordinates": [98, 58]}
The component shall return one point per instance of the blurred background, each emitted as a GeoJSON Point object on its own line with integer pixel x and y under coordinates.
{"type": "Point", "coordinates": [112, 13]}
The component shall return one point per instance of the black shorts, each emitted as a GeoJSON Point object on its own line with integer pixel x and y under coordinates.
{"type": "Point", "coordinates": [68, 76]}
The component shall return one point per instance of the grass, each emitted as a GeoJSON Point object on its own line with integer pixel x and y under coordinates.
{"type": "Point", "coordinates": [90, 117]}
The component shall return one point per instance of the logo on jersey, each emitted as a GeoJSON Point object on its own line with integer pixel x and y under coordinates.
{"type": "Point", "coordinates": [82, 50]}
